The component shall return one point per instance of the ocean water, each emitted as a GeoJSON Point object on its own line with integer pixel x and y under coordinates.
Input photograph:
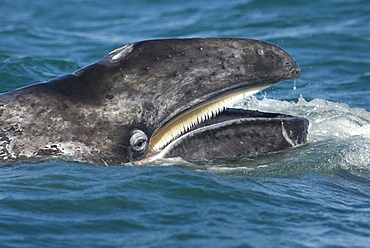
{"type": "Point", "coordinates": [315, 195]}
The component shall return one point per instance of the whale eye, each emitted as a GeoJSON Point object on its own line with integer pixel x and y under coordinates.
{"type": "Point", "coordinates": [138, 141]}
{"type": "Point", "coordinates": [138, 145]}
{"type": "Point", "coordinates": [260, 51]}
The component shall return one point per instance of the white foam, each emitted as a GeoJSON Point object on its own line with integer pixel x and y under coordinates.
{"type": "Point", "coordinates": [344, 132]}
{"type": "Point", "coordinates": [327, 119]}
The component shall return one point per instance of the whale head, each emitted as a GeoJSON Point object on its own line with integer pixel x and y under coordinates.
{"type": "Point", "coordinates": [139, 98]}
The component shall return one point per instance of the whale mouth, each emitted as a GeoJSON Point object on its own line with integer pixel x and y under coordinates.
{"type": "Point", "coordinates": [193, 115]}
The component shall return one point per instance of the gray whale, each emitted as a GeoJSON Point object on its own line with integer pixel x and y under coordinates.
{"type": "Point", "coordinates": [136, 101]}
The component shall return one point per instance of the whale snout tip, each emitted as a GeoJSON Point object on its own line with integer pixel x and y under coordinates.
{"type": "Point", "coordinates": [295, 71]}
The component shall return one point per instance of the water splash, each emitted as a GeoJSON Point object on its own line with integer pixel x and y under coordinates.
{"type": "Point", "coordinates": [339, 138]}
{"type": "Point", "coordinates": [327, 119]}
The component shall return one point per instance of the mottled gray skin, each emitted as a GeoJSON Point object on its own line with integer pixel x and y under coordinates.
{"type": "Point", "coordinates": [89, 115]}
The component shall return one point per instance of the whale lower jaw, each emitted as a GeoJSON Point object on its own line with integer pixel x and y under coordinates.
{"type": "Point", "coordinates": [237, 133]}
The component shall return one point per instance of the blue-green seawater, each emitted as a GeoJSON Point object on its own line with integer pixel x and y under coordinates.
{"type": "Point", "coordinates": [316, 195]}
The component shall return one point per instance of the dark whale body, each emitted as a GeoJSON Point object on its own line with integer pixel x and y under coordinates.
{"type": "Point", "coordinates": [142, 97]}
